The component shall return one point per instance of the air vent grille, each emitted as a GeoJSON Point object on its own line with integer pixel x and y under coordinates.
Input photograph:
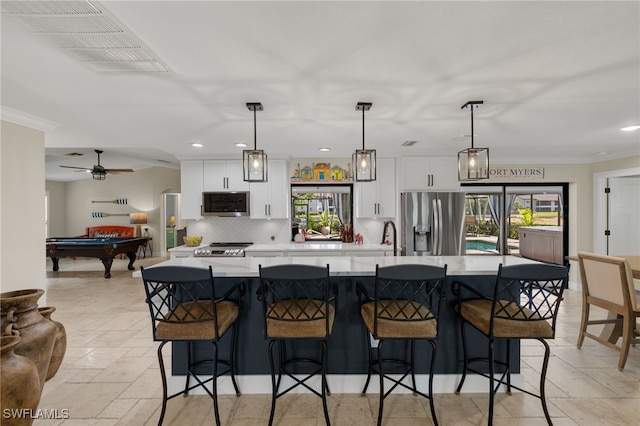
{"type": "Point", "coordinates": [94, 41]}
{"type": "Point", "coordinates": [49, 8]}
{"type": "Point", "coordinates": [88, 32]}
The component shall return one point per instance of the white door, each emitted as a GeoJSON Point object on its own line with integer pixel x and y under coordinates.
{"type": "Point", "coordinates": [624, 216]}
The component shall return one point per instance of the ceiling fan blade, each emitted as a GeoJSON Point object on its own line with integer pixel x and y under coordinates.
{"type": "Point", "coordinates": [115, 171]}
{"type": "Point", "coordinates": [79, 168]}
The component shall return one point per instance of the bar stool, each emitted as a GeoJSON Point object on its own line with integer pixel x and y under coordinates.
{"type": "Point", "coordinates": [298, 304]}
{"type": "Point", "coordinates": [184, 308]}
{"type": "Point", "coordinates": [405, 306]}
{"type": "Point", "coordinates": [524, 305]}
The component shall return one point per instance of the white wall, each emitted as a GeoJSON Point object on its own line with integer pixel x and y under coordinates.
{"type": "Point", "coordinates": [57, 207]}
{"type": "Point", "coordinates": [22, 234]}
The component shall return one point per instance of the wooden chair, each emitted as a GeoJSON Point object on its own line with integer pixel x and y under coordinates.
{"type": "Point", "coordinates": [524, 305]}
{"type": "Point", "coordinates": [298, 305]}
{"type": "Point", "coordinates": [607, 282]}
{"type": "Point", "coordinates": [405, 306]}
{"type": "Point", "coordinates": [471, 225]}
{"type": "Point", "coordinates": [184, 308]}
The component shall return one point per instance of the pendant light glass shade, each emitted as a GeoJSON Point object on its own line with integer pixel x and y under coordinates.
{"type": "Point", "coordinates": [364, 160]}
{"type": "Point", "coordinates": [254, 165]}
{"type": "Point", "coordinates": [473, 163]}
{"type": "Point", "coordinates": [254, 161]}
{"type": "Point", "coordinates": [364, 165]}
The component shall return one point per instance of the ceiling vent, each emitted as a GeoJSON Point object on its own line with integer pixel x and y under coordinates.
{"type": "Point", "coordinates": [409, 143]}
{"type": "Point", "coordinates": [87, 31]}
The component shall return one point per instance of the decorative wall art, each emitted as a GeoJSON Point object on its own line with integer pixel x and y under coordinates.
{"type": "Point", "coordinates": [116, 201]}
{"type": "Point", "coordinates": [326, 171]}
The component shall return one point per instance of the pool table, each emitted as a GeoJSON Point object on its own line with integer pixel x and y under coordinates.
{"type": "Point", "coordinates": [106, 249]}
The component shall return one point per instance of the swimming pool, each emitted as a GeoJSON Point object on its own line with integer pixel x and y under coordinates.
{"type": "Point", "coordinates": [484, 245]}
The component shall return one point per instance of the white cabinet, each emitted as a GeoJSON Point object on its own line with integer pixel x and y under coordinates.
{"type": "Point", "coordinates": [224, 175]}
{"type": "Point", "coordinates": [429, 174]}
{"type": "Point", "coordinates": [378, 198]}
{"type": "Point", "coordinates": [270, 200]}
{"type": "Point", "coordinates": [191, 186]}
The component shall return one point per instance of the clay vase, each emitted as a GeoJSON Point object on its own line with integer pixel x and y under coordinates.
{"type": "Point", "coordinates": [60, 346]}
{"type": "Point", "coordinates": [20, 316]}
{"type": "Point", "coordinates": [20, 391]}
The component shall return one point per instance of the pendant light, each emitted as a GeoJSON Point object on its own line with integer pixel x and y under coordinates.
{"type": "Point", "coordinates": [364, 160]}
{"type": "Point", "coordinates": [473, 163]}
{"type": "Point", "coordinates": [254, 161]}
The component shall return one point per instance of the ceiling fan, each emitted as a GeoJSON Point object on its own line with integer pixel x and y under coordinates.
{"type": "Point", "coordinates": [98, 172]}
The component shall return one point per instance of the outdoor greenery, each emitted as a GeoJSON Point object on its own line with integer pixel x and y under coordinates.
{"type": "Point", "coordinates": [528, 217]}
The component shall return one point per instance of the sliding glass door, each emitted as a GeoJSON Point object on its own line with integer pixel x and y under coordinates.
{"type": "Point", "coordinates": [518, 219]}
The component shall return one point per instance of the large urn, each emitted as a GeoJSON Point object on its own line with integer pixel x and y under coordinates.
{"type": "Point", "coordinates": [20, 390]}
{"type": "Point", "coordinates": [20, 317]}
{"type": "Point", "coordinates": [60, 345]}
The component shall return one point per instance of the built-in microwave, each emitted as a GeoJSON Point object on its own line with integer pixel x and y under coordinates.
{"type": "Point", "coordinates": [227, 203]}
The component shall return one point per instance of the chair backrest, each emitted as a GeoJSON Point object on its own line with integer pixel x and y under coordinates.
{"type": "Point", "coordinates": [408, 293]}
{"type": "Point", "coordinates": [529, 293]}
{"type": "Point", "coordinates": [305, 289]}
{"type": "Point", "coordinates": [608, 278]}
{"type": "Point", "coordinates": [180, 295]}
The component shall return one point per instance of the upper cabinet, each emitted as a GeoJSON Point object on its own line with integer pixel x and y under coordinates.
{"type": "Point", "coordinates": [429, 174]}
{"type": "Point", "coordinates": [191, 174]}
{"type": "Point", "coordinates": [270, 200]}
{"type": "Point", "coordinates": [224, 175]}
{"type": "Point", "coordinates": [378, 198]}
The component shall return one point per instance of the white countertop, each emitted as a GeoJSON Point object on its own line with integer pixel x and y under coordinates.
{"type": "Point", "coordinates": [186, 249]}
{"type": "Point", "coordinates": [543, 228]}
{"type": "Point", "coordinates": [348, 265]}
{"type": "Point", "coordinates": [307, 246]}
{"type": "Point", "coordinates": [311, 246]}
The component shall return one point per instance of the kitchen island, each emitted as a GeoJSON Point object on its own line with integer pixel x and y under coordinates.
{"type": "Point", "coordinates": [347, 345]}
{"type": "Point", "coordinates": [300, 249]}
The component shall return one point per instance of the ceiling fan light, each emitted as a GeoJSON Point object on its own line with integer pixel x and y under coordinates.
{"type": "Point", "coordinates": [98, 175]}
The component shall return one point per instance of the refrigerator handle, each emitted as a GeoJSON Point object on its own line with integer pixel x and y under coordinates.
{"type": "Point", "coordinates": [440, 228]}
{"type": "Point", "coordinates": [435, 236]}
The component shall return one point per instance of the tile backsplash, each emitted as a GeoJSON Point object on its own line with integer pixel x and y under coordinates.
{"type": "Point", "coordinates": [244, 229]}
{"type": "Point", "coordinates": [240, 229]}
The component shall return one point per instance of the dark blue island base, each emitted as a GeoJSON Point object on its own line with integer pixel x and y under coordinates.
{"type": "Point", "coordinates": [347, 344]}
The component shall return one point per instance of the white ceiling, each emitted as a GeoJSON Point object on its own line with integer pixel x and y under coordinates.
{"type": "Point", "coordinates": [558, 80]}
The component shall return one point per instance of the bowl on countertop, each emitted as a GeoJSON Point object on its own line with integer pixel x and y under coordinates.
{"type": "Point", "coordinates": [192, 240]}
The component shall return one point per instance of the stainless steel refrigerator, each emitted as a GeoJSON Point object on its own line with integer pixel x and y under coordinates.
{"type": "Point", "coordinates": [432, 224]}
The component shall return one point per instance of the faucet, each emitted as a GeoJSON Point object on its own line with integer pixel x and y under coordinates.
{"type": "Point", "coordinates": [395, 236]}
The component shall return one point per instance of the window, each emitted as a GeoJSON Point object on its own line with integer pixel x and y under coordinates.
{"type": "Point", "coordinates": [321, 210]}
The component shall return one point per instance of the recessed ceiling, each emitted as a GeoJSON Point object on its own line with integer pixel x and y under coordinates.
{"type": "Point", "coordinates": [558, 79]}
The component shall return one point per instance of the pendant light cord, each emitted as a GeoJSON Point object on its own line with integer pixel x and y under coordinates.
{"type": "Point", "coordinates": [472, 126]}
{"type": "Point", "coordinates": [255, 133]}
{"type": "Point", "coordinates": [363, 129]}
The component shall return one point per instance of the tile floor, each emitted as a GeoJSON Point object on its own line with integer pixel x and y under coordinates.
{"type": "Point", "coordinates": [110, 373]}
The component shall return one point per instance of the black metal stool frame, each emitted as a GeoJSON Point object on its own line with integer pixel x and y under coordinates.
{"type": "Point", "coordinates": [538, 291]}
{"type": "Point", "coordinates": [288, 285]}
{"type": "Point", "coordinates": [166, 288]}
{"type": "Point", "coordinates": [422, 284]}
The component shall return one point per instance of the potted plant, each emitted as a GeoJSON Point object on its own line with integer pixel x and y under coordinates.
{"type": "Point", "coordinates": [325, 222]}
